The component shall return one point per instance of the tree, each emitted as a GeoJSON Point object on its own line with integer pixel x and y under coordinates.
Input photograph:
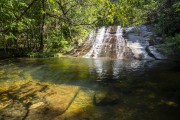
{"type": "Point", "coordinates": [167, 17]}
{"type": "Point", "coordinates": [129, 12]}
{"type": "Point", "coordinates": [55, 25]}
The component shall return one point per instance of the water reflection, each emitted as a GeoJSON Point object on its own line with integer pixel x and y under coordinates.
{"type": "Point", "coordinates": [110, 70]}
{"type": "Point", "coordinates": [79, 70]}
{"type": "Point", "coordinates": [115, 89]}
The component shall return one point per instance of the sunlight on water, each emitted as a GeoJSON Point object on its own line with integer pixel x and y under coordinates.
{"type": "Point", "coordinates": [80, 88]}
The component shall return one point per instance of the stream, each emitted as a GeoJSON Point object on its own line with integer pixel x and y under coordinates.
{"type": "Point", "coordinates": [110, 89]}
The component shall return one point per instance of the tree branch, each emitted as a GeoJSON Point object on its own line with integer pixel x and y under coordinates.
{"type": "Point", "coordinates": [18, 18]}
{"type": "Point", "coordinates": [29, 6]}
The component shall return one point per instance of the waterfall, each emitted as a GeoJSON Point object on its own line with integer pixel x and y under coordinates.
{"type": "Point", "coordinates": [96, 48]}
{"type": "Point", "coordinates": [120, 42]}
{"type": "Point", "coordinates": [109, 42]}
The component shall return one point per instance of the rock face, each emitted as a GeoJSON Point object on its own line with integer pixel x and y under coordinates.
{"type": "Point", "coordinates": [153, 50]}
{"type": "Point", "coordinates": [34, 100]}
{"type": "Point", "coordinates": [110, 43]}
{"type": "Point", "coordinates": [118, 43]}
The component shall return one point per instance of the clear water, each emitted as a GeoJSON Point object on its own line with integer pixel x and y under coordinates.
{"type": "Point", "coordinates": [148, 90]}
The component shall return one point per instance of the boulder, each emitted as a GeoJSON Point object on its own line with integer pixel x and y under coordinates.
{"type": "Point", "coordinates": [154, 51]}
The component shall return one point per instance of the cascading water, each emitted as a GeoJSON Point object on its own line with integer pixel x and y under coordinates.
{"type": "Point", "coordinates": [119, 42]}
{"type": "Point", "coordinates": [122, 50]}
{"type": "Point", "coordinates": [96, 48]}
{"type": "Point", "coordinates": [110, 43]}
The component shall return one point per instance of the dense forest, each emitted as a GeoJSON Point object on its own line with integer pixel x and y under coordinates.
{"type": "Point", "coordinates": [89, 59]}
{"type": "Point", "coordinates": [44, 27]}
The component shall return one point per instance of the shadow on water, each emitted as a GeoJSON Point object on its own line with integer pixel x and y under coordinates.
{"type": "Point", "coordinates": [130, 90]}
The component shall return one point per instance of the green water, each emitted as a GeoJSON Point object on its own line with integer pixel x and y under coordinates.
{"type": "Point", "coordinates": [147, 90]}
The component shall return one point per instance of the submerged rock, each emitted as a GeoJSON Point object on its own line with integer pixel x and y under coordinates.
{"type": "Point", "coordinates": [35, 100]}
{"type": "Point", "coordinates": [36, 105]}
{"type": "Point", "coordinates": [81, 108]}
{"type": "Point", "coordinates": [103, 98]}
{"type": "Point", "coordinates": [14, 111]}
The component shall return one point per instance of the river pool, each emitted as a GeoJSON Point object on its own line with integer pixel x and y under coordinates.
{"type": "Point", "coordinates": [117, 89]}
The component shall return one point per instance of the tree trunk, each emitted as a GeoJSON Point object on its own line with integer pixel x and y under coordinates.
{"type": "Point", "coordinates": [4, 46]}
{"type": "Point", "coordinates": [42, 27]}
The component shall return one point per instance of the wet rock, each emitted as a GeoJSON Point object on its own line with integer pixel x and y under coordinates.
{"type": "Point", "coordinates": [153, 51]}
{"type": "Point", "coordinates": [113, 30]}
{"type": "Point", "coordinates": [103, 98]}
{"type": "Point", "coordinates": [128, 54]}
{"type": "Point", "coordinates": [130, 29]}
{"type": "Point", "coordinates": [138, 41]}
{"type": "Point", "coordinates": [116, 42]}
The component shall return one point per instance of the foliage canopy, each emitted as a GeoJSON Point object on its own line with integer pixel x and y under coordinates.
{"type": "Point", "coordinates": [57, 25]}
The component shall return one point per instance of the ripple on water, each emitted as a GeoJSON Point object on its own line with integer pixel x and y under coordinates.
{"type": "Point", "coordinates": [128, 90]}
